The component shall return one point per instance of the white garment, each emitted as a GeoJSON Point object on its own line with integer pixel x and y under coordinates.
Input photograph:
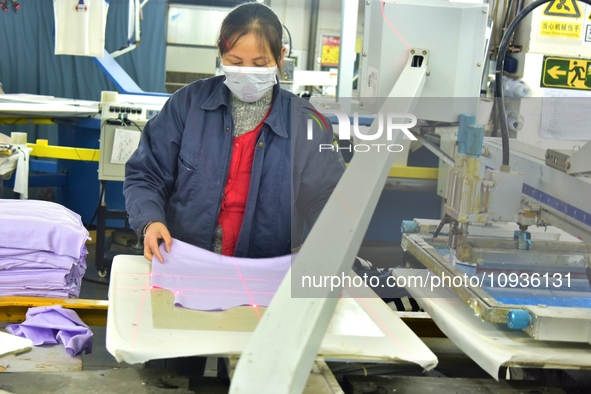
{"type": "Point", "coordinates": [7, 166]}
{"type": "Point", "coordinates": [21, 179]}
{"type": "Point", "coordinates": [80, 27]}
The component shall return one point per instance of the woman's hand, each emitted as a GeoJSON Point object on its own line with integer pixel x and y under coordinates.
{"type": "Point", "coordinates": [155, 232]}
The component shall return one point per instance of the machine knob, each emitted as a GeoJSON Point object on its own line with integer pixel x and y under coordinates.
{"type": "Point", "coordinates": [518, 319]}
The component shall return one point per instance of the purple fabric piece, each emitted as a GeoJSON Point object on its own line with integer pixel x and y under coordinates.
{"type": "Point", "coordinates": [52, 279]}
{"type": "Point", "coordinates": [53, 324]}
{"type": "Point", "coordinates": [26, 258]}
{"type": "Point", "coordinates": [203, 280]}
{"type": "Point", "coordinates": [34, 288]}
{"type": "Point", "coordinates": [49, 227]}
{"type": "Point", "coordinates": [34, 255]}
{"type": "Point", "coordinates": [38, 279]}
{"type": "Point", "coordinates": [26, 292]}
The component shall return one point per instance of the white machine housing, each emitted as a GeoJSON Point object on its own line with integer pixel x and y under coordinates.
{"type": "Point", "coordinates": [454, 34]}
{"type": "Point", "coordinates": [121, 115]}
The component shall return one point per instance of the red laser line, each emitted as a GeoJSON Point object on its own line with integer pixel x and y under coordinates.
{"type": "Point", "coordinates": [174, 289]}
{"type": "Point", "coordinates": [246, 288]}
{"type": "Point", "coordinates": [215, 277]}
{"type": "Point", "coordinates": [387, 330]}
{"type": "Point", "coordinates": [256, 309]}
{"type": "Point", "coordinates": [139, 316]}
{"type": "Point", "coordinates": [392, 26]}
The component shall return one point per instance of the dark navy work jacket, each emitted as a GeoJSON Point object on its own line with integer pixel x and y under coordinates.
{"type": "Point", "coordinates": [178, 173]}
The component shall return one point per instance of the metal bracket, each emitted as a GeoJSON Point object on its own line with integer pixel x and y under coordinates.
{"type": "Point", "coordinates": [557, 159]}
{"type": "Point", "coordinates": [570, 161]}
{"type": "Point", "coordinates": [579, 162]}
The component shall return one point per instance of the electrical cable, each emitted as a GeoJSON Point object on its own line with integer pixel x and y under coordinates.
{"type": "Point", "coordinates": [507, 13]}
{"type": "Point", "coordinates": [101, 196]}
{"type": "Point", "coordinates": [133, 123]}
{"type": "Point", "coordinates": [3, 122]}
{"type": "Point", "coordinates": [499, 73]}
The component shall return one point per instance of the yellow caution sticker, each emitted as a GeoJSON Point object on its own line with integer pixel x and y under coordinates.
{"type": "Point", "coordinates": [564, 8]}
{"type": "Point", "coordinates": [550, 28]}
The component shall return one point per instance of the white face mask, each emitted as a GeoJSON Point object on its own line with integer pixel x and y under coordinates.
{"type": "Point", "coordinates": [249, 83]}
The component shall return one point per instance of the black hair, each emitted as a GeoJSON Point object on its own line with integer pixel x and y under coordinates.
{"type": "Point", "coordinates": [254, 18]}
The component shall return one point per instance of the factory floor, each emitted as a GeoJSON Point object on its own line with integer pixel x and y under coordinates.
{"type": "Point", "coordinates": [455, 373]}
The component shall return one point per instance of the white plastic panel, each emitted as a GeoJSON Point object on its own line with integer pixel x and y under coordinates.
{"type": "Point", "coordinates": [453, 34]}
{"type": "Point", "coordinates": [194, 25]}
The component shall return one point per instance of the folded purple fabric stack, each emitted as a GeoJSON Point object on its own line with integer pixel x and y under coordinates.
{"type": "Point", "coordinates": [42, 249]}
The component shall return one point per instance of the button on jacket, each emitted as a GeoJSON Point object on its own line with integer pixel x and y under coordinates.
{"type": "Point", "coordinates": [178, 173]}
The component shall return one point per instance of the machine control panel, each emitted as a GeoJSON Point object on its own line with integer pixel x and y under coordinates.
{"type": "Point", "coordinates": [131, 111]}
{"type": "Point", "coordinates": [122, 123]}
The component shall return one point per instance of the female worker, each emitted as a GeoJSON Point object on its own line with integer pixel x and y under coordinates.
{"type": "Point", "coordinates": [229, 164]}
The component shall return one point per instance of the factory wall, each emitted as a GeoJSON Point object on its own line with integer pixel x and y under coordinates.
{"type": "Point", "coordinates": [187, 54]}
{"type": "Point", "coordinates": [296, 15]}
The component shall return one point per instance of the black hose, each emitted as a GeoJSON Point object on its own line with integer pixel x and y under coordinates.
{"type": "Point", "coordinates": [499, 75]}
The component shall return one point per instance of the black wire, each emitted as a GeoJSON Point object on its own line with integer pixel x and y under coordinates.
{"type": "Point", "coordinates": [133, 123]}
{"type": "Point", "coordinates": [3, 122]}
{"type": "Point", "coordinates": [509, 7]}
{"type": "Point", "coordinates": [101, 195]}
{"type": "Point", "coordinates": [499, 73]}
{"type": "Point", "coordinates": [289, 35]}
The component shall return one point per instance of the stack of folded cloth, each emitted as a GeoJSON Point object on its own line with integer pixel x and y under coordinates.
{"type": "Point", "coordinates": [42, 249]}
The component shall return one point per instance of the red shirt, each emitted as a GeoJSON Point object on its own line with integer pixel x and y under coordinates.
{"type": "Point", "coordinates": [237, 186]}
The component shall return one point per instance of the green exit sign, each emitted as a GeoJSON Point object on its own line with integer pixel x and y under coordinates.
{"type": "Point", "coordinates": [566, 73]}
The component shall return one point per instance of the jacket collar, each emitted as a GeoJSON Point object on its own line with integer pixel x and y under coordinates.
{"type": "Point", "coordinates": [277, 119]}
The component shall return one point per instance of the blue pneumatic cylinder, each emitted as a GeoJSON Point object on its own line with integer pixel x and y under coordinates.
{"type": "Point", "coordinates": [518, 319]}
{"type": "Point", "coordinates": [470, 136]}
{"type": "Point", "coordinates": [409, 227]}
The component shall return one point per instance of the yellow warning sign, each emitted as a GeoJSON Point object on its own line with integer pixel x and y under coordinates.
{"type": "Point", "coordinates": [330, 51]}
{"type": "Point", "coordinates": [551, 28]}
{"type": "Point", "coordinates": [565, 8]}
